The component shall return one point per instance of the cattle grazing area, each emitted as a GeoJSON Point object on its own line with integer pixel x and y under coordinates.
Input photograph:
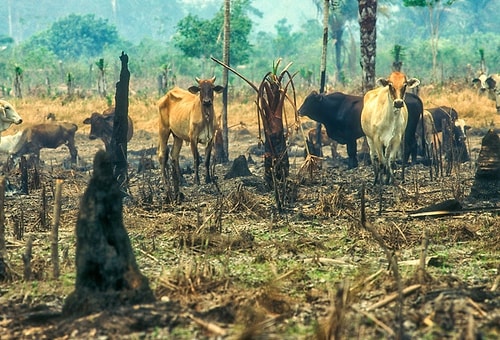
{"type": "Point", "coordinates": [347, 258]}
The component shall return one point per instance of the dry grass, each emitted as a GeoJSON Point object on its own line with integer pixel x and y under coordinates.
{"type": "Point", "coordinates": [479, 112]}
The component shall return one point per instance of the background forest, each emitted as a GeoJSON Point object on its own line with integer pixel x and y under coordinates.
{"type": "Point", "coordinates": [50, 42]}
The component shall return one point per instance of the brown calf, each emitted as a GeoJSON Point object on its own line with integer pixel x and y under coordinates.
{"type": "Point", "coordinates": [47, 135]}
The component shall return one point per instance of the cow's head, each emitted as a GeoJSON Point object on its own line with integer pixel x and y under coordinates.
{"type": "Point", "coordinates": [398, 83]}
{"type": "Point", "coordinates": [460, 130]}
{"type": "Point", "coordinates": [206, 89]}
{"type": "Point", "coordinates": [101, 126]}
{"type": "Point", "coordinates": [310, 106]}
{"type": "Point", "coordinates": [489, 85]}
{"type": "Point", "coordinates": [480, 82]}
{"type": "Point", "coordinates": [8, 115]}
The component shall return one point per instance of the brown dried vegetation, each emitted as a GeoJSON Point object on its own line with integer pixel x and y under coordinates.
{"type": "Point", "coordinates": [226, 264]}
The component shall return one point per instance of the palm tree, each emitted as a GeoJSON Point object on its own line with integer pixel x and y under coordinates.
{"type": "Point", "coordinates": [368, 37]}
{"type": "Point", "coordinates": [342, 12]}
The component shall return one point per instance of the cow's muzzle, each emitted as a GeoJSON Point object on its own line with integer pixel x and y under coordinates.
{"type": "Point", "coordinates": [398, 103]}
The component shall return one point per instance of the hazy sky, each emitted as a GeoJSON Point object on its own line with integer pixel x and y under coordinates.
{"type": "Point", "coordinates": [297, 12]}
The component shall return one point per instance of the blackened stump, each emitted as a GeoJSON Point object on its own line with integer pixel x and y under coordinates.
{"type": "Point", "coordinates": [107, 273]}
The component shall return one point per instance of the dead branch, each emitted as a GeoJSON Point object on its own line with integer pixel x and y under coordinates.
{"type": "Point", "coordinates": [393, 297]}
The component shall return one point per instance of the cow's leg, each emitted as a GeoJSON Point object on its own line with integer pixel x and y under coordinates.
{"type": "Point", "coordinates": [176, 169]}
{"type": "Point", "coordinates": [208, 153]}
{"type": "Point", "coordinates": [374, 157]}
{"type": "Point", "coordinates": [72, 150]}
{"type": "Point", "coordinates": [352, 153]}
{"type": "Point", "coordinates": [196, 158]}
{"type": "Point", "coordinates": [163, 152]}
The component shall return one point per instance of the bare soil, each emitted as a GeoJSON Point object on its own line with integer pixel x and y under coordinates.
{"type": "Point", "coordinates": [225, 263]}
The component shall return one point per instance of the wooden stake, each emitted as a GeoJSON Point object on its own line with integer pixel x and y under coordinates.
{"type": "Point", "coordinates": [55, 228]}
{"type": "Point", "coordinates": [2, 216]}
{"type": "Point", "coordinates": [27, 258]}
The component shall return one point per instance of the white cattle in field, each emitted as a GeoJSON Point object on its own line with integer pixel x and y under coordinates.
{"type": "Point", "coordinates": [8, 115]}
{"type": "Point", "coordinates": [489, 85]}
{"type": "Point", "coordinates": [9, 143]}
{"type": "Point", "coordinates": [189, 116]}
{"type": "Point", "coordinates": [384, 119]}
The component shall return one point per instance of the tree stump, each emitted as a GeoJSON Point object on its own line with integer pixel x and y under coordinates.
{"type": "Point", "coordinates": [487, 180]}
{"type": "Point", "coordinates": [239, 168]}
{"type": "Point", "coordinates": [107, 273]}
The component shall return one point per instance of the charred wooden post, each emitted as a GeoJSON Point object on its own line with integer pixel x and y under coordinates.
{"type": "Point", "coordinates": [24, 175]}
{"type": "Point", "coordinates": [3, 266]}
{"type": "Point", "coordinates": [55, 229]}
{"type": "Point", "coordinates": [107, 273]}
{"type": "Point", "coordinates": [2, 216]}
{"type": "Point", "coordinates": [27, 256]}
{"type": "Point", "coordinates": [120, 125]}
{"type": "Point", "coordinates": [487, 180]}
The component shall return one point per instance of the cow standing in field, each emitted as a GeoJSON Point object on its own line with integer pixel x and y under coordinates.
{"type": "Point", "coordinates": [8, 116]}
{"type": "Point", "coordinates": [453, 131]}
{"type": "Point", "coordinates": [8, 143]}
{"type": "Point", "coordinates": [188, 116]}
{"type": "Point", "coordinates": [47, 135]}
{"type": "Point", "coordinates": [491, 85]}
{"type": "Point", "coordinates": [341, 115]}
{"type": "Point", "coordinates": [101, 126]}
{"type": "Point", "coordinates": [325, 141]}
{"type": "Point", "coordinates": [384, 119]}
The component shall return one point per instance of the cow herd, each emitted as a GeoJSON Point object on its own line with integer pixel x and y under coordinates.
{"type": "Point", "coordinates": [392, 120]}
{"type": "Point", "coordinates": [52, 133]}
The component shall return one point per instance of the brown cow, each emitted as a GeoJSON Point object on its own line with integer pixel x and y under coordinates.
{"type": "Point", "coordinates": [46, 135]}
{"type": "Point", "coordinates": [188, 116]}
{"type": "Point", "coordinates": [325, 141]}
{"type": "Point", "coordinates": [101, 126]}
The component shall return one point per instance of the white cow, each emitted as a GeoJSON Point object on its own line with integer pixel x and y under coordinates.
{"type": "Point", "coordinates": [8, 116]}
{"type": "Point", "coordinates": [491, 86]}
{"type": "Point", "coordinates": [384, 119]}
{"type": "Point", "coordinates": [8, 143]}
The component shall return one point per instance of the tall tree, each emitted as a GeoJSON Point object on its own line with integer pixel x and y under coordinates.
{"type": "Point", "coordinates": [201, 38]}
{"type": "Point", "coordinates": [436, 8]}
{"type": "Point", "coordinates": [368, 40]}
{"type": "Point", "coordinates": [225, 56]}
{"type": "Point", "coordinates": [342, 11]}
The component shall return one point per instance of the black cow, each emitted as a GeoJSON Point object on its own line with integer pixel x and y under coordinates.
{"type": "Point", "coordinates": [446, 121]}
{"type": "Point", "coordinates": [415, 111]}
{"type": "Point", "coordinates": [341, 115]}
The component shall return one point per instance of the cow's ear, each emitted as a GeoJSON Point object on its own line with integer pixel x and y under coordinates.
{"type": "Point", "coordinates": [218, 88]}
{"type": "Point", "coordinates": [86, 121]}
{"type": "Point", "coordinates": [413, 82]}
{"type": "Point", "coordinates": [382, 82]}
{"type": "Point", "coordinates": [194, 89]}
{"type": "Point", "coordinates": [491, 83]}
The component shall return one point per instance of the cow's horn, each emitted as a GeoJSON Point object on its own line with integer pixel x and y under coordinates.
{"type": "Point", "coordinates": [213, 79]}
{"type": "Point", "coordinates": [198, 80]}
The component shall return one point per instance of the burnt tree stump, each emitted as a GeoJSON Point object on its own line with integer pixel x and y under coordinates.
{"type": "Point", "coordinates": [107, 273]}
{"type": "Point", "coordinates": [487, 180]}
{"type": "Point", "coordinates": [120, 125]}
